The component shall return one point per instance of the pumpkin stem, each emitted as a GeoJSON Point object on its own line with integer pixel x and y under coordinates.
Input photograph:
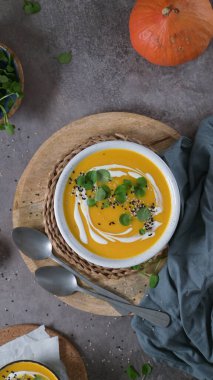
{"type": "Point", "coordinates": [167, 10]}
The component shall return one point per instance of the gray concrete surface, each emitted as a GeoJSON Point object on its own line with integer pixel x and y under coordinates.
{"type": "Point", "coordinates": [105, 75]}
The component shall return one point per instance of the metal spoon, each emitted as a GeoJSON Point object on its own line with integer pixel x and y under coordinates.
{"type": "Point", "coordinates": [61, 282]}
{"type": "Point", "coordinates": [37, 246]}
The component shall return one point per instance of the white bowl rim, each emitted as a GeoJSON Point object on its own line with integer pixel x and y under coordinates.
{"type": "Point", "coordinates": [77, 246]}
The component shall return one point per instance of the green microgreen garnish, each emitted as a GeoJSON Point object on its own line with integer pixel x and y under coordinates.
{"type": "Point", "coordinates": [81, 180]}
{"type": "Point", "coordinates": [140, 187]}
{"type": "Point", "coordinates": [91, 202]}
{"type": "Point", "coordinates": [100, 194]}
{"type": "Point", "coordinates": [132, 372]}
{"type": "Point", "coordinates": [153, 280]}
{"type": "Point", "coordinates": [125, 219]}
{"type": "Point", "coordinates": [121, 193]}
{"type": "Point", "coordinates": [10, 89]}
{"type": "Point", "coordinates": [107, 190]}
{"type": "Point", "coordinates": [88, 185]}
{"type": "Point", "coordinates": [142, 231]}
{"type": "Point", "coordinates": [88, 181]}
{"type": "Point", "coordinates": [139, 191]}
{"type": "Point", "coordinates": [136, 267]}
{"type": "Point", "coordinates": [103, 175]}
{"type": "Point", "coordinates": [105, 204]}
{"type": "Point", "coordinates": [144, 214]}
{"type": "Point", "coordinates": [146, 369]}
{"type": "Point", "coordinates": [64, 58]}
{"type": "Point", "coordinates": [91, 176]}
{"type": "Point", "coordinates": [142, 181]}
{"type": "Point", "coordinates": [31, 7]}
{"type": "Point", "coordinates": [127, 183]}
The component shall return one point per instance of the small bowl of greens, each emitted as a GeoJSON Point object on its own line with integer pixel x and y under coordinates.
{"type": "Point", "coordinates": [11, 87]}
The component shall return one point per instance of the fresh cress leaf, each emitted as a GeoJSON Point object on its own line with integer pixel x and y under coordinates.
{"type": "Point", "coordinates": [81, 180]}
{"type": "Point", "coordinates": [132, 372]}
{"type": "Point", "coordinates": [153, 280]}
{"type": "Point", "coordinates": [10, 128]}
{"type": "Point", "coordinates": [142, 181]}
{"type": "Point", "coordinates": [143, 214]}
{"type": "Point", "coordinates": [88, 185]}
{"type": "Point", "coordinates": [3, 56]}
{"type": "Point", "coordinates": [100, 194]}
{"type": "Point", "coordinates": [64, 58]}
{"type": "Point", "coordinates": [10, 103]}
{"type": "Point", "coordinates": [121, 189]}
{"type": "Point", "coordinates": [125, 219]}
{"type": "Point", "coordinates": [92, 176]}
{"type": "Point", "coordinates": [91, 202]}
{"type": "Point", "coordinates": [139, 191]}
{"type": "Point", "coordinates": [120, 197]}
{"type": "Point", "coordinates": [10, 69]}
{"type": "Point", "coordinates": [142, 231]}
{"type": "Point", "coordinates": [3, 79]}
{"type": "Point", "coordinates": [103, 175]}
{"type": "Point", "coordinates": [105, 204]}
{"type": "Point", "coordinates": [146, 369]}
{"type": "Point", "coordinates": [127, 183]}
{"type": "Point", "coordinates": [15, 87]}
{"type": "Point", "coordinates": [31, 7]}
{"type": "Point", "coordinates": [107, 190]}
{"type": "Point", "coordinates": [136, 267]}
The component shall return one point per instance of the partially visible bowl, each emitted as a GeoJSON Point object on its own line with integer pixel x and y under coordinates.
{"type": "Point", "coordinates": [80, 249]}
{"type": "Point", "coordinates": [20, 75]}
{"type": "Point", "coordinates": [29, 367]}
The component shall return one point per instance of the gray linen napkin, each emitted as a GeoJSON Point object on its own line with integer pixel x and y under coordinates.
{"type": "Point", "coordinates": [185, 289]}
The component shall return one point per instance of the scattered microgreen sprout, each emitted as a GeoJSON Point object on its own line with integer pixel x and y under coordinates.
{"type": "Point", "coordinates": [142, 181]}
{"type": "Point", "coordinates": [107, 190]}
{"type": "Point", "coordinates": [100, 194]}
{"type": "Point", "coordinates": [153, 280]}
{"type": "Point", "coordinates": [143, 214]}
{"type": "Point", "coordinates": [125, 219]}
{"type": "Point", "coordinates": [31, 7]}
{"type": "Point", "coordinates": [91, 202]}
{"type": "Point", "coordinates": [105, 204]}
{"type": "Point", "coordinates": [142, 231]}
{"type": "Point", "coordinates": [146, 369]}
{"type": "Point", "coordinates": [103, 175]}
{"type": "Point", "coordinates": [10, 89]}
{"type": "Point", "coordinates": [133, 374]}
{"type": "Point", "coordinates": [92, 176]}
{"type": "Point", "coordinates": [64, 58]}
{"type": "Point", "coordinates": [136, 267]}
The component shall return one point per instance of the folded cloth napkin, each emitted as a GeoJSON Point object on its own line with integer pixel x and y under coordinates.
{"type": "Point", "coordinates": [37, 346]}
{"type": "Point", "coordinates": [185, 289]}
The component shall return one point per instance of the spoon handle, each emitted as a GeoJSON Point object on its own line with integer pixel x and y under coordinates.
{"type": "Point", "coordinates": [156, 317]}
{"type": "Point", "coordinates": [94, 286]}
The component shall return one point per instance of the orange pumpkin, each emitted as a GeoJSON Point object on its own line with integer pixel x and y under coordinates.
{"type": "Point", "coordinates": [169, 34]}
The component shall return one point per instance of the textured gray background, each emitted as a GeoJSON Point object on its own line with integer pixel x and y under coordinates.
{"type": "Point", "coordinates": [105, 75]}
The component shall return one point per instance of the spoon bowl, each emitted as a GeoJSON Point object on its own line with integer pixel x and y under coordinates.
{"type": "Point", "coordinates": [56, 280]}
{"type": "Point", "coordinates": [32, 243]}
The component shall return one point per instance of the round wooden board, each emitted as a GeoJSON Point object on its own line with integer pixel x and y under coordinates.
{"type": "Point", "coordinates": [31, 189]}
{"type": "Point", "coordinates": [68, 353]}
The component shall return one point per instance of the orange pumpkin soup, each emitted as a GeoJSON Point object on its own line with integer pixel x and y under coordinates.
{"type": "Point", "coordinates": [117, 203]}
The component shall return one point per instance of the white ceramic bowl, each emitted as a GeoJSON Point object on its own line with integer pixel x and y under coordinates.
{"type": "Point", "coordinates": [77, 246]}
